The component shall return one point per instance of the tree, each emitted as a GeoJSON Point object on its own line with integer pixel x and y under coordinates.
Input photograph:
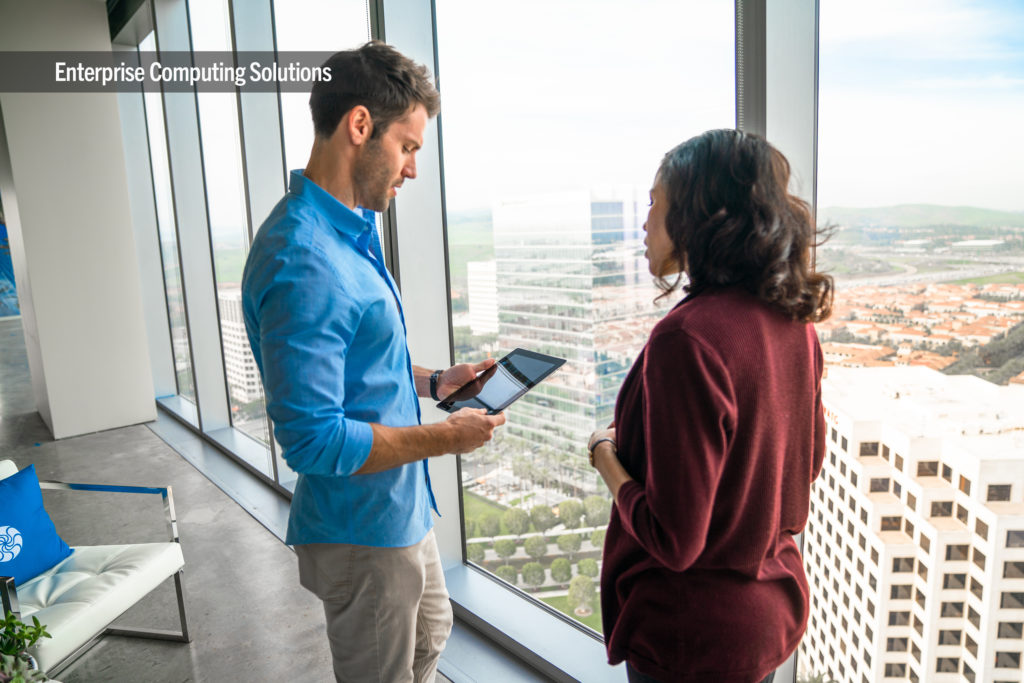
{"type": "Point", "coordinates": [581, 595]}
{"type": "Point", "coordinates": [587, 567]}
{"type": "Point", "coordinates": [517, 521]}
{"type": "Point", "coordinates": [475, 552]}
{"type": "Point", "coordinates": [543, 517]}
{"type": "Point", "coordinates": [569, 512]}
{"type": "Point", "coordinates": [507, 572]}
{"type": "Point", "coordinates": [533, 574]}
{"type": "Point", "coordinates": [597, 538]}
{"type": "Point", "coordinates": [598, 510]}
{"type": "Point", "coordinates": [536, 547]}
{"type": "Point", "coordinates": [490, 525]}
{"type": "Point", "coordinates": [569, 544]}
{"type": "Point", "coordinates": [471, 527]}
{"type": "Point", "coordinates": [505, 548]}
{"type": "Point", "coordinates": [561, 570]}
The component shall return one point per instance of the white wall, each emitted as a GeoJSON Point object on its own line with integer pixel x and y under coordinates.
{"type": "Point", "coordinates": [62, 177]}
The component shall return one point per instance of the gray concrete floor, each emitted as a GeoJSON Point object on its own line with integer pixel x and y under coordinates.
{"type": "Point", "coordinates": [250, 620]}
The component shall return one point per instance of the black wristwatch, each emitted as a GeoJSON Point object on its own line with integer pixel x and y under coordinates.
{"type": "Point", "coordinates": [434, 376]}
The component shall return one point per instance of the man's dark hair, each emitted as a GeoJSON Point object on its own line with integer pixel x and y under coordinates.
{"type": "Point", "coordinates": [731, 215]}
{"type": "Point", "coordinates": [380, 78]}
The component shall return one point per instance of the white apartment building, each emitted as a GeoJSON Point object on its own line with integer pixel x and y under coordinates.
{"type": "Point", "coordinates": [914, 549]}
{"type": "Point", "coordinates": [483, 296]}
{"type": "Point", "coordinates": [243, 376]}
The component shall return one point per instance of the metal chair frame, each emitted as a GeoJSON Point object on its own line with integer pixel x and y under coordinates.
{"type": "Point", "coordinates": [9, 593]}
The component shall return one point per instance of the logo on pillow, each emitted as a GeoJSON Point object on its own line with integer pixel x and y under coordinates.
{"type": "Point", "coordinates": [10, 543]}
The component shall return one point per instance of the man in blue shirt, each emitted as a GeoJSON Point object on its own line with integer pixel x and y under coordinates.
{"type": "Point", "coordinates": [325, 322]}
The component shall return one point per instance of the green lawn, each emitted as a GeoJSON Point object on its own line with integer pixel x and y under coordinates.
{"type": "Point", "coordinates": [478, 506]}
{"type": "Point", "coordinates": [1015, 278]}
{"type": "Point", "coordinates": [561, 603]}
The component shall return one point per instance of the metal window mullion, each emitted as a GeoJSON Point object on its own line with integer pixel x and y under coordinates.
{"type": "Point", "coordinates": [261, 136]}
{"type": "Point", "coordinates": [184, 150]}
{"type": "Point", "coordinates": [147, 236]}
{"type": "Point", "coordinates": [751, 66]}
{"type": "Point", "coordinates": [410, 28]}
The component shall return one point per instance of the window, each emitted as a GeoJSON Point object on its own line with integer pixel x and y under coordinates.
{"type": "Point", "coordinates": [1012, 600]}
{"type": "Point", "coordinates": [911, 501]}
{"type": "Point", "coordinates": [834, 434]}
{"type": "Point", "coordinates": [947, 473]}
{"type": "Point", "coordinates": [965, 484]}
{"type": "Point", "coordinates": [229, 231]}
{"type": "Point", "coordinates": [929, 468]}
{"type": "Point", "coordinates": [1007, 660]}
{"type": "Point", "coordinates": [971, 646]}
{"type": "Point", "coordinates": [949, 637]}
{"type": "Point", "coordinates": [954, 581]}
{"type": "Point", "coordinates": [977, 589]}
{"type": "Point", "coordinates": [898, 461]}
{"type": "Point", "coordinates": [895, 670]}
{"type": "Point", "coordinates": [956, 552]}
{"type": "Point", "coordinates": [896, 644]}
{"type": "Point", "coordinates": [942, 509]}
{"type": "Point", "coordinates": [903, 564]}
{"type": "Point", "coordinates": [981, 529]}
{"type": "Point", "coordinates": [899, 618]}
{"type": "Point", "coordinates": [1011, 630]}
{"type": "Point", "coordinates": [879, 485]}
{"type": "Point", "coordinates": [845, 443]}
{"type": "Point", "coordinates": [908, 528]}
{"type": "Point", "coordinates": [593, 304]}
{"type": "Point", "coordinates": [900, 591]}
{"type": "Point", "coordinates": [952, 609]}
{"type": "Point", "coordinates": [1015, 539]}
{"type": "Point", "coordinates": [925, 543]}
{"type": "Point", "coordinates": [338, 26]}
{"type": "Point", "coordinates": [168, 232]}
{"type": "Point", "coordinates": [868, 448]}
{"type": "Point", "coordinates": [998, 493]}
{"type": "Point", "coordinates": [891, 523]}
{"type": "Point", "coordinates": [919, 597]}
{"type": "Point", "coordinates": [979, 558]}
{"type": "Point", "coordinates": [947, 665]}
{"type": "Point", "coordinates": [961, 513]}
{"type": "Point", "coordinates": [1013, 570]}
{"type": "Point", "coordinates": [922, 570]}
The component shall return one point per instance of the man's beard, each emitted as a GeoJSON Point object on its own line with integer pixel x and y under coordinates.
{"type": "Point", "coordinates": [373, 178]}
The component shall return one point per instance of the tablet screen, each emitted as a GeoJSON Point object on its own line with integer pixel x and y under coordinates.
{"type": "Point", "coordinates": [501, 384]}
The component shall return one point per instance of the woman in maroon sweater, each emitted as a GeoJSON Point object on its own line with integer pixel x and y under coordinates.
{"type": "Point", "coordinates": [718, 429]}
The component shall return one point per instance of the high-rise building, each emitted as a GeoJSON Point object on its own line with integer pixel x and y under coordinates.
{"type": "Point", "coordinates": [483, 296]}
{"type": "Point", "coordinates": [915, 546]}
{"type": "Point", "coordinates": [239, 366]}
{"type": "Point", "coordinates": [572, 282]}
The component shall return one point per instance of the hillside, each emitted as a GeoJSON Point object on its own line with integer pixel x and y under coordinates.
{"type": "Point", "coordinates": [997, 361]}
{"type": "Point", "coordinates": [918, 215]}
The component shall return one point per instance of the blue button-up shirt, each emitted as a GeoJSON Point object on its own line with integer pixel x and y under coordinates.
{"type": "Point", "coordinates": [326, 327]}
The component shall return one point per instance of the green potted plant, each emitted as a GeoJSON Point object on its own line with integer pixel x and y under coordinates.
{"type": "Point", "coordinates": [16, 664]}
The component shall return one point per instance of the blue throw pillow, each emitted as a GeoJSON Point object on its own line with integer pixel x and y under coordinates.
{"type": "Point", "coordinates": [29, 544]}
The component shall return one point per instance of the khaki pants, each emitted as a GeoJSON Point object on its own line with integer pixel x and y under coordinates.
{"type": "Point", "coordinates": [387, 609]}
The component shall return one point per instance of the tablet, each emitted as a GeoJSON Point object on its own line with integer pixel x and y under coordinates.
{"type": "Point", "coordinates": [497, 387]}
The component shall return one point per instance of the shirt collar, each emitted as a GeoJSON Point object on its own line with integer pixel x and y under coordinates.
{"type": "Point", "coordinates": [343, 219]}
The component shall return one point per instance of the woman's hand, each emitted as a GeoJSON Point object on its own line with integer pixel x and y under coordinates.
{"type": "Point", "coordinates": [604, 458]}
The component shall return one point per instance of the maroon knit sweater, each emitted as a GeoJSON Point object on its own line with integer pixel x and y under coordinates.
{"type": "Point", "coordinates": [720, 425]}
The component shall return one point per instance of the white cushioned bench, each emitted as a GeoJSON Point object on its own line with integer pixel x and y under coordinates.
{"type": "Point", "coordinates": [79, 598]}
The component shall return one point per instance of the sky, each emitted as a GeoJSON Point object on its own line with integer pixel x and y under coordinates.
{"type": "Point", "coordinates": [920, 100]}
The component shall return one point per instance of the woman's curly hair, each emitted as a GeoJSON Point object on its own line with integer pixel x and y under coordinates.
{"type": "Point", "coordinates": [733, 219]}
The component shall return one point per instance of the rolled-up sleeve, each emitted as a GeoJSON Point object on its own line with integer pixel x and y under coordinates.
{"type": "Point", "coordinates": [305, 327]}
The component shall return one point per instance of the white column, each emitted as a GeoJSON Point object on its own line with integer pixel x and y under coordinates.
{"type": "Point", "coordinates": [63, 180]}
